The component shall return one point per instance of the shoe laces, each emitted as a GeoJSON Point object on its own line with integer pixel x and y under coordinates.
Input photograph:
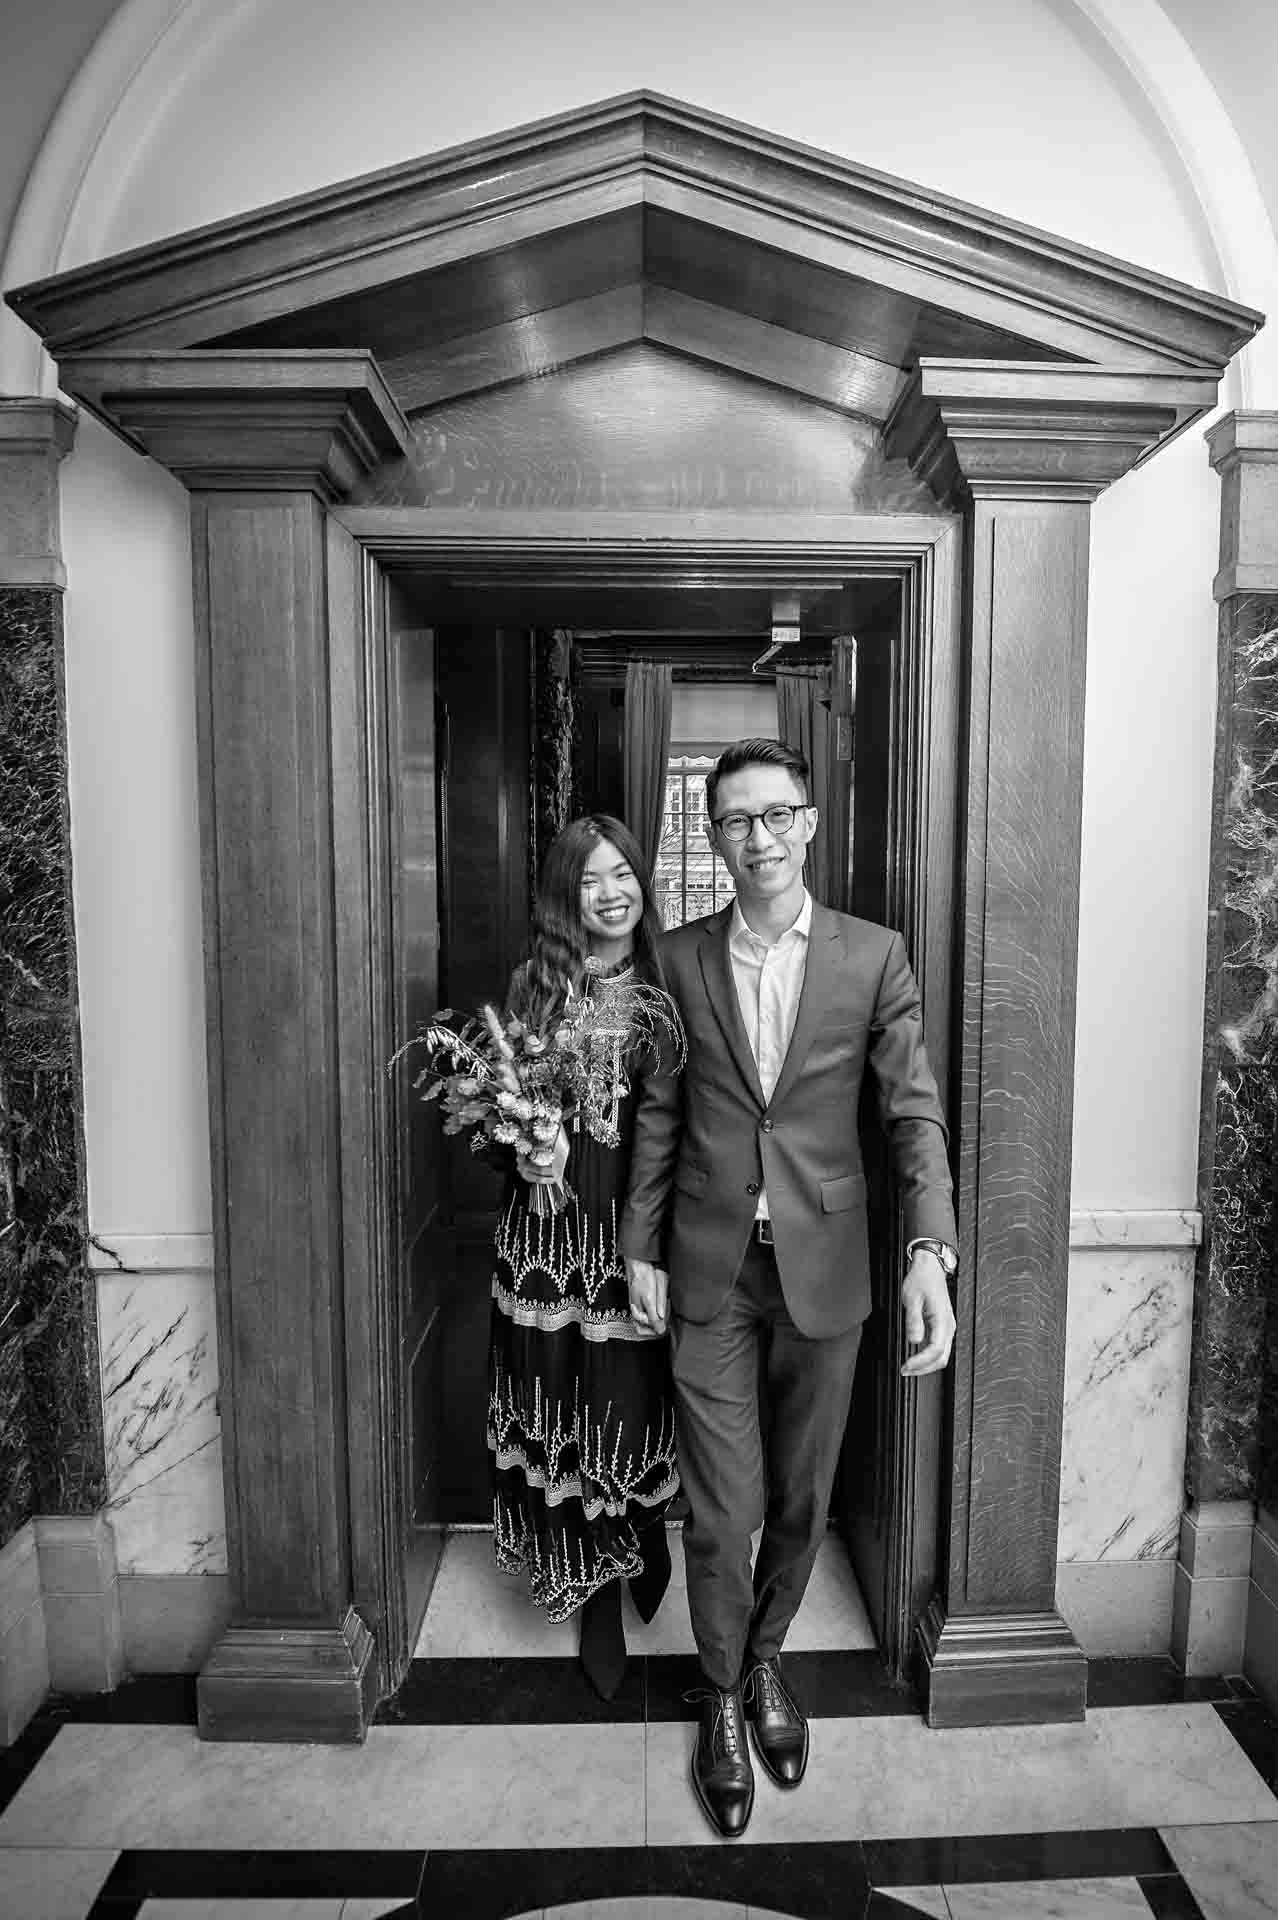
{"type": "Point", "coordinates": [765, 1689]}
{"type": "Point", "coordinates": [726, 1729]}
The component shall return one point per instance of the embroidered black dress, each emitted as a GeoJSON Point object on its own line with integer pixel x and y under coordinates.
{"type": "Point", "coordinates": [580, 1416]}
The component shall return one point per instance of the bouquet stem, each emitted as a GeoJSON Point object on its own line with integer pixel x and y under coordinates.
{"type": "Point", "coordinates": [547, 1198]}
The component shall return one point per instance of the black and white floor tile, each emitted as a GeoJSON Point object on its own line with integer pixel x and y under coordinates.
{"type": "Point", "coordinates": [496, 1785]}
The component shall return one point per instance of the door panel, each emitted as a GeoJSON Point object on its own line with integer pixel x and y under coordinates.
{"type": "Point", "coordinates": [867, 1454]}
{"type": "Point", "coordinates": [904, 741]}
{"type": "Point", "coordinates": [485, 806]}
{"type": "Point", "coordinates": [414, 929]}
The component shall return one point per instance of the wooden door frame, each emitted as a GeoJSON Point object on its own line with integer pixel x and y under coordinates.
{"type": "Point", "coordinates": [922, 555]}
{"type": "Point", "coordinates": [283, 599]}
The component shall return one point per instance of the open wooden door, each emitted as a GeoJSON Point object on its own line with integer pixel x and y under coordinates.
{"type": "Point", "coordinates": [888, 1493]}
{"type": "Point", "coordinates": [417, 1243]}
{"type": "Point", "coordinates": [483, 722]}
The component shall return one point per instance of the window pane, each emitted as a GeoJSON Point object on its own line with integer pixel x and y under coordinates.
{"type": "Point", "coordinates": [689, 878]}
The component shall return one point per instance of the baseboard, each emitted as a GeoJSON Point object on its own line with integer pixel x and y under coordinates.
{"type": "Point", "coordinates": [79, 1586]}
{"type": "Point", "coordinates": [1209, 1619]}
{"type": "Point", "coordinates": [172, 1621]}
{"type": "Point", "coordinates": [1260, 1652]}
{"type": "Point", "coordinates": [1118, 1606]}
{"type": "Point", "coordinates": [24, 1658]}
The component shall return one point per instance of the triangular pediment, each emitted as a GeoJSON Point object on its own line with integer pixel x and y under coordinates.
{"type": "Point", "coordinates": [640, 219]}
{"type": "Point", "coordinates": [641, 429]}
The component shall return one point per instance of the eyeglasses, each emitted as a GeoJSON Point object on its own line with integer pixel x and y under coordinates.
{"type": "Point", "coordinates": [736, 826]}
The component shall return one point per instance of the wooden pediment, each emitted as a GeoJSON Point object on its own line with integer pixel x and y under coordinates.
{"type": "Point", "coordinates": [639, 220]}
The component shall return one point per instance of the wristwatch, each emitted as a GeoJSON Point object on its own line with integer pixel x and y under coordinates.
{"type": "Point", "coordinates": [947, 1255]}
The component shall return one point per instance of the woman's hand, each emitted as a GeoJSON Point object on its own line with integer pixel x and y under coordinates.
{"type": "Point", "coordinates": [648, 1287]}
{"type": "Point", "coordinates": [546, 1166]}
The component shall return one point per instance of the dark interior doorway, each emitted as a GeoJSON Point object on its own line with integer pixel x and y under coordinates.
{"type": "Point", "coordinates": [489, 650]}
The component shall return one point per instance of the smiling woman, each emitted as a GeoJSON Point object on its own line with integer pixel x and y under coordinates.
{"type": "Point", "coordinates": [612, 903]}
{"type": "Point", "coordinates": [580, 1425]}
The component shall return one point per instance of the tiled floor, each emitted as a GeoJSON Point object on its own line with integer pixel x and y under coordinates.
{"type": "Point", "coordinates": [497, 1785]}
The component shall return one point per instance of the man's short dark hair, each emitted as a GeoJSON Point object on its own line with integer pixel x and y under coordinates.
{"type": "Point", "coordinates": [756, 753]}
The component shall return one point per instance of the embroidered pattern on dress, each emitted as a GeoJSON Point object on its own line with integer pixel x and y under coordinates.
{"type": "Point", "coordinates": [562, 1572]}
{"type": "Point", "coordinates": [576, 1458]}
{"type": "Point", "coordinates": [527, 1243]}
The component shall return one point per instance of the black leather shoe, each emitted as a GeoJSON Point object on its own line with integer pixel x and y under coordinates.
{"type": "Point", "coordinates": [722, 1777]}
{"type": "Point", "coordinates": [777, 1723]}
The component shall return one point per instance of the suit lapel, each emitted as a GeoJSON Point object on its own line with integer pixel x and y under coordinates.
{"type": "Point", "coordinates": [721, 991]}
{"type": "Point", "coordinates": [820, 977]}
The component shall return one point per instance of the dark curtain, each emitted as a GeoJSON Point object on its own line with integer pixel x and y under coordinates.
{"type": "Point", "coordinates": [803, 722]}
{"type": "Point", "coordinates": [647, 749]}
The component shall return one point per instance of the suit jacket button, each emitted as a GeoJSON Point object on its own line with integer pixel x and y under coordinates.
{"type": "Point", "coordinates": [766, 1125]}
{"type": "Point", "coordinates": [753, 1187]}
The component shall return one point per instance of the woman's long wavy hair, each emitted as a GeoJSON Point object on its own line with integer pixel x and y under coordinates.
{"type": "Point", "coordinates": [558, 946]}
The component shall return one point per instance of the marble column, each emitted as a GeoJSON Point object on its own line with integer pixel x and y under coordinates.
{"type": "Point", "coordinates": [1232, 1453]}
{"type": "Point", "coordinates": [51, 1452]}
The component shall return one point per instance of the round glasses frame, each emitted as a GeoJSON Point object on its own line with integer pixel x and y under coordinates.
{"type": "Point", "coordinates": [737, 826]}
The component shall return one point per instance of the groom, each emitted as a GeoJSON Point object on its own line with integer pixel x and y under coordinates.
{"type": "Point", "coordinates": [745, 1232]}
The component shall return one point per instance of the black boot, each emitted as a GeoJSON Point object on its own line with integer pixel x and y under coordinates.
{"type": "Point", "coordinates": [722, 1777]}
{"type": "Point", "coordinates": [603, 1640]}
{"type": "Point", "coordinates": [648, 1587]}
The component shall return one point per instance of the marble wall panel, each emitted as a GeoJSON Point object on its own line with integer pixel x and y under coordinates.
{"type": "Point", "coordinates": [1235, 1366]}
{"type": "Point", "coordinates": [50, 1413]}
{"type": "Point", "coordinates": [1127, 1349]}
{"type": "Point", "coordinates": [163, 1432]}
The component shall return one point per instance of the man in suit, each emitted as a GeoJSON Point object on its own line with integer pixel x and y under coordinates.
{"type": "Point", "coordinates": [745, 1232]}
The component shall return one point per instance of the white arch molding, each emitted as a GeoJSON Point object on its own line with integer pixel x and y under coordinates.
{"type": "Point", "coordinates": [148, 48]}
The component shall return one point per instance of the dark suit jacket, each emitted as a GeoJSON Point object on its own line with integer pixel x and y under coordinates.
{"type": "Point", "coordinates": [704, 1141]}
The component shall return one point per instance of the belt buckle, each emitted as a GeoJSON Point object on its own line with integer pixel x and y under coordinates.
{"type": "Point", "coordinates": [763, 1232]}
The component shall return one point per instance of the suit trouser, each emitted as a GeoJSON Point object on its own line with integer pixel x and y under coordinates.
{"type": "Point", "coordinates": [730, 1486]}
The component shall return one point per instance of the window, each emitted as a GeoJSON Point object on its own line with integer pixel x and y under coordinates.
{"type": "Point", "coordinates": [690, 878]}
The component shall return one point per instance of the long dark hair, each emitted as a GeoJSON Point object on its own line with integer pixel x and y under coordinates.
{"type": "Point", "coordinates": [557, 944]}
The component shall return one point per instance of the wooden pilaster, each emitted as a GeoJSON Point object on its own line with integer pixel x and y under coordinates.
{"type": "Point", "coordinates": [265, 442]}
{"type": "Point", "coordinates": [1024, 451]}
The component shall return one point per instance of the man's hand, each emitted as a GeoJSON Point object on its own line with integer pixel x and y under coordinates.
{"type": "Point", "coordinates": [648, 1287]}
{"type": "Point", "coordinates": [929, 1317]}
{"type": "Point", "coordinates": [547, 1166]}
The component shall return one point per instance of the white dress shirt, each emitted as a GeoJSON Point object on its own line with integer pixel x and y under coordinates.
{"type": "Point", "coordinates": [769, 980]}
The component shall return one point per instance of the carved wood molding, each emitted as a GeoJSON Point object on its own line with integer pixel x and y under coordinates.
{"type": "Point", "coordinates": [559, 337]}
{"type": "Point", "coordinates": [1045, 432]}
{"type": "Point", "coordinates": [649, 158]}
{"type": "Point", "coordinates": [1001, 1669]}
{"type": "Point", "coordinates": [286, 1681]}
{"type": "Point", "coordinates": [297, 421]}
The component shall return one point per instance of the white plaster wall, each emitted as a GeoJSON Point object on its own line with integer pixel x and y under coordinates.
{"type": "Point", "coordinates": [1236, 42]}
{"type": "Point", "coordinates": [135, 838]}
{"type": "Point", "coordinates": [1150, 720]}
{"type": "Point", "coordinates": [52, 42]}
{"type": "Point", "coordinates": [723, 713]}
{"type": "Point", "coordinates": [998, 101]}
